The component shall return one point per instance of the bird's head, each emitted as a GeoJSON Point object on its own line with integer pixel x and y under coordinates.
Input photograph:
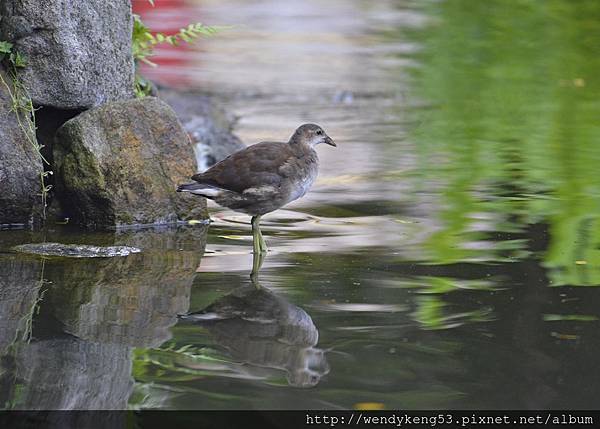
{"type": "Point", "coordinates": [311, 135]}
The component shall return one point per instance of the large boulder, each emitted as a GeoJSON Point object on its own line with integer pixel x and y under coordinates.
{"type": "Point", "coordinates": [208, 125]}
{"type": "Point", "coordinates": [20, 166]}
{"type": "Point", "coordinates": [78, 53]}
{"type": "Point", "coordinates": [120, 164]}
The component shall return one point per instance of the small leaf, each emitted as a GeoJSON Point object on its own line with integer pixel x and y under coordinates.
{"type": "Point", "coordinates": [5, 47]}
{"type": "Point", "coordinates": [147, 61]}
{"type": "Point", "coordinates": [18, 60]}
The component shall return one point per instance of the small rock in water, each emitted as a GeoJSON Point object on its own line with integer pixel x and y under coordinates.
{"type": "Point", "coordinates": [75, 250]}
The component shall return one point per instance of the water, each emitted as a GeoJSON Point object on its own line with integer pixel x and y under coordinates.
{"type": "Point", "coordinates": [447, 257]}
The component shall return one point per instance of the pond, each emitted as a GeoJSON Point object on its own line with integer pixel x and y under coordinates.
{"type": "Point", "coordinates": [447, 257]}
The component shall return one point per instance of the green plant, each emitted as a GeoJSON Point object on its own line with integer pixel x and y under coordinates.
{"type": "Point", "coordinates": [14, 57]}
{"type": "Point", "coordinates": [24, 111]}
{"type": "Point", "coordinates": [144, 42]}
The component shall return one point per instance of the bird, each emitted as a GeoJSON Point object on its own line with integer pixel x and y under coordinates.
{"type": "Point", "coordinates": [263, 177]}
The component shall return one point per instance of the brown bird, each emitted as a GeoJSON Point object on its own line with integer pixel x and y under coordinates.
{"type": "Point", "coordinates": [263, 177]}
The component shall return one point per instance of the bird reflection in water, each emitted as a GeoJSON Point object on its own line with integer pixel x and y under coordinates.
{"type": "Point", "coordinates": [262, 329]}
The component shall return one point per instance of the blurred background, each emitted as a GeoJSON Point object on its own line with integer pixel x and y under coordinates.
{"type": "Point", "coordinates": [447, 257]}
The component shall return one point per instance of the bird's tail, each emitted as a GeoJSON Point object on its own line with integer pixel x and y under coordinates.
{"type": "Point", "coordinates": [199, 317]}
{"type": "Point", "coordinates": [188, 187]}
{"type": "Point", "coordinates": [199, 189]}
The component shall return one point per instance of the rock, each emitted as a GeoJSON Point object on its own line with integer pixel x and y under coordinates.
{"type": "Point", "coordinates": [120, 164]}
{"type": "Point", "coordinates": [75, 250]}
{"type": "Point", "coordinates": [209, 126]}
{"type": "Point", "coordinates": [78, 53]}
{"type": "Point", "coordinates": [20, 167]}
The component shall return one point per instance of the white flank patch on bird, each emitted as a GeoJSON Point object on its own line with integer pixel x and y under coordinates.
{"type": "Point", "coordinates": [209, 192]}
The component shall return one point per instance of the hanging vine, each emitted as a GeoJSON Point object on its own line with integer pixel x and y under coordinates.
{"type": "Point", "coordinates": [22, 107]}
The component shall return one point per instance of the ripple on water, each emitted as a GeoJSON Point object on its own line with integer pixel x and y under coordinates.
{"type": "Point", "coordinates": [361, 307]}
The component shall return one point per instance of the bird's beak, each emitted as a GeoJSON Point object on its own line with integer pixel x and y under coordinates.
{"type": "Point", "coordinates": [329, 141]}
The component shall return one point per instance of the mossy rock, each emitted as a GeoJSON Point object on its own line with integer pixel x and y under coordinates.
{"type": "Point", "coordinates": [119, 164]}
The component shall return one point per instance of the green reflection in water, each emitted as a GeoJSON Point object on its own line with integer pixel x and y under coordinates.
{"type": "Point", "coordinates": [513, 132]}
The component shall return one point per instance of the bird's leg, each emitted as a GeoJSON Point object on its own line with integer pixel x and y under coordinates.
{"type": "Point", "coordinates": [260, 244]}
{"type": "Point", "coordinates": [255, 234]}
{"type": "Point", "coordinates": [263, 243]}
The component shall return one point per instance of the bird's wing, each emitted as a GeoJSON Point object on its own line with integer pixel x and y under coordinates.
{"type": "Point", "coordinates": [257, 165]}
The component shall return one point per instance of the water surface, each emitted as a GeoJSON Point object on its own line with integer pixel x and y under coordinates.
{"type": "Point", "coordinates": [448, 256]}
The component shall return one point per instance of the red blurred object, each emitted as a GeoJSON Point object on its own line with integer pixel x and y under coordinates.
{"type": "Point", "coordinates": [168, 16]}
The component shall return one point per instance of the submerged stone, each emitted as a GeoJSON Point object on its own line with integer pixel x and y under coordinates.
{"type": "Point", "coordinates": [75, 250]}
{"type": "Point", "coordinates": [119, 164]}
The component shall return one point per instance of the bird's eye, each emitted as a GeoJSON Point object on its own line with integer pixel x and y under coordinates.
{"type": "Point", "coordinates": [319, 132]}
